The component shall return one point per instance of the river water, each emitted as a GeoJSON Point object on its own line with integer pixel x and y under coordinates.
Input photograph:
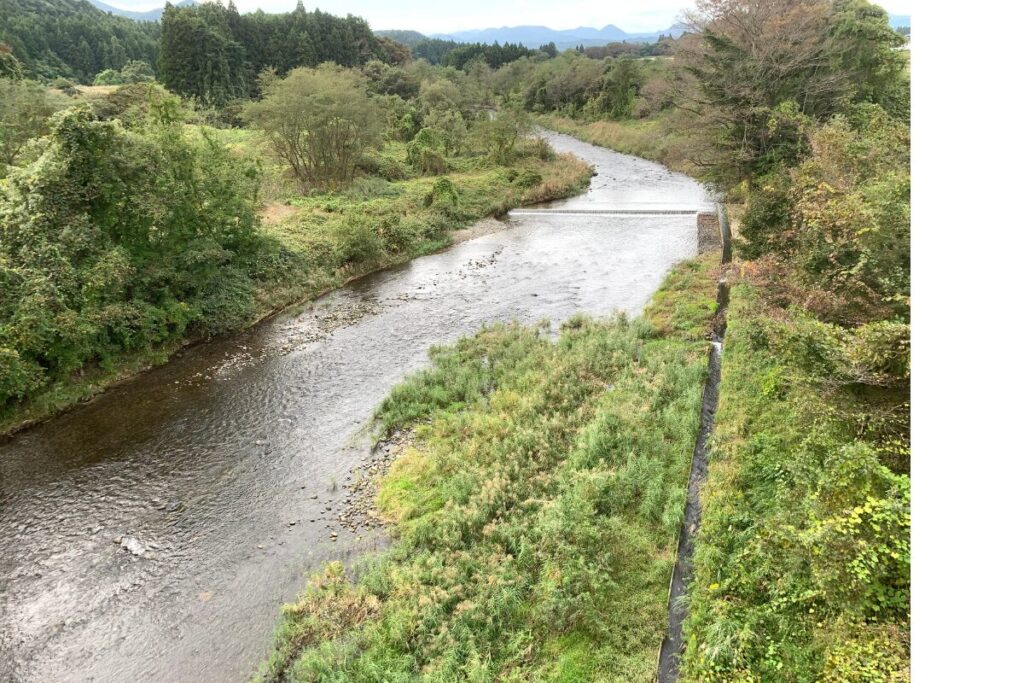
{"type": "Point", "coordinates": [153, 534]}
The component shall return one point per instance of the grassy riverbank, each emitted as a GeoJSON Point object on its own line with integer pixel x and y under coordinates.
{"type": "Point", "coordinates": [536, 516]}
{"type": "Point", "coordinates": [312, 243]}
{"type": "Point", "coordinates": [802, 564]}
{"type": "Point", "coordinates": [655, 139]}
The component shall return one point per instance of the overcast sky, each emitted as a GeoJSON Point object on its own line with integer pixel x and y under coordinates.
{"type": "Point", "coordinates": [441, 16]}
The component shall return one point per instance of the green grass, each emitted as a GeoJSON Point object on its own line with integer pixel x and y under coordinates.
{"type": "Point", "coordinates": [535, 518]}
{"type": "Point", "coordinates": [802, 564]}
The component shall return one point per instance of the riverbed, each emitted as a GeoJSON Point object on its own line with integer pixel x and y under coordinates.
{"type": "Point", "coordinates": [153, 534]}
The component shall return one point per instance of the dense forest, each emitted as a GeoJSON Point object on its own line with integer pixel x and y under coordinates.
{"type": "Point", "coordinates": [452, 53]}
{"type": "Point", "coordinates": [214, 53]}
{"type": "Point", "coordinates": [73, 39]}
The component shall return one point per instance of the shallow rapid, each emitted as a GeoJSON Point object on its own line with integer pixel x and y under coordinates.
{"type": "Point", "coordinates": [154, 533]}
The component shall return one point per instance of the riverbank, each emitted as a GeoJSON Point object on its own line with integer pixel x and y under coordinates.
{"type": "Point", "coordinates": [544, 550]}
{"type": "Point", "coordinates": [805, 513]}
{"type": "Point", "coordinates": [653, 139]}
{"type": "Point", "coordinates": [328, 240]}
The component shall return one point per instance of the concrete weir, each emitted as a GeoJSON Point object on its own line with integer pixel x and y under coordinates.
{"type": "Point", "coordinates": [603, 212]}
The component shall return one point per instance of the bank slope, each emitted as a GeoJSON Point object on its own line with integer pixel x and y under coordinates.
{"type": "Point", "coordinates": [802, 564]}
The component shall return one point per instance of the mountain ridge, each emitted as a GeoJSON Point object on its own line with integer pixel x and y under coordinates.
{"type": "Point", "coordinates": [534, 36]}
{"type": "Point", "coordinates": [147, 15]}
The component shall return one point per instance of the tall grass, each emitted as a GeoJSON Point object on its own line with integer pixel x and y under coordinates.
{"type": "Point", "coordinates": [536, 517]}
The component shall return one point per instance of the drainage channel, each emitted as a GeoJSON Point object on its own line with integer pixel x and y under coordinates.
{"type": "Point", "coordinates": [673, 644]}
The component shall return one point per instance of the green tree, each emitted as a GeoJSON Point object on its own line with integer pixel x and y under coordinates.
{"type": "Point", "coordinates": [25, 107]}
{"type": "Point", "coordinates": [199, 57]}
{"type": "Point", "coordinates": [114, 240]}
{"type": "Point", "coordinates": [758, 69]}
{"type": "Point", "coordinates": [850, 241]}
{"type": "Point", "coordinates": [108, 77]}
{"type": "Point", "coordinates": [620, 88]}
{"type": "Point", "coordinates": [136, 71]}
{"type": "Point", "coordinates": [72, 38]}
{"type": "Point", "coordinates": [319, 121]}
{"type": "Point", "coordinates": [862, 45]}
{"type": "Point", "coordinates": [10, 67]}
{"type": "Point", "coordinates": [214, 53]}
{"type": "Point", "coordinates": [498, 135]}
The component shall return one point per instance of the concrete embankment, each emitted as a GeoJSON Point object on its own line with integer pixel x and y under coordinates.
{"type": "Point", "coordinates": [713, 232]}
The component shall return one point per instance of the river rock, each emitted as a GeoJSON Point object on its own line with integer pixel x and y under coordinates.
{"type": "Point", "coordinates": [134, 546]}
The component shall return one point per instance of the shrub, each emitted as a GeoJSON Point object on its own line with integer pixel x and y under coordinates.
{"type": "Point", "coordinates": [25, 108]}
{"type": "Point", "coordinates": [18, 377]}
{"type": "Point", "coordinates": [802, 567]}
{"type": "Point", "coordinates": [443, 197]}
{"type": "Point", "coordinates": [116, 240]}
{"type": "Point", "coordinates": [133, 103]}
{"type": "Point", "coordinates": [424, 152]}
{"type": "Point", "coordinates": [319, 121]}
{"type": "Point", "coordinates": [108, 77]}
{"type": "Point", "coordinates": [528, 179]}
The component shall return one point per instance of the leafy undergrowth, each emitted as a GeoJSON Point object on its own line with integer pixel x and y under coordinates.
{"type": "Point", "coordinates": [537, 516]}
{"type": "Point", "coordinates": [802, 566]}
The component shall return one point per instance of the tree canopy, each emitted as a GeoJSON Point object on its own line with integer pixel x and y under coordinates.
{"type": "Point", "coordinates": [214, 53]}
{"type": "Point", "coordinates": [72, 38]}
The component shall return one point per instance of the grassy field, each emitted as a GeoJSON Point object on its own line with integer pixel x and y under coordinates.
{"type": "Point", "coordinates": [802, 565]}
{"type": "Point", "coordinates": [537, 514]}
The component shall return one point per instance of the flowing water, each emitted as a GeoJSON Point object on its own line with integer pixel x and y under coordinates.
{"type": "Point", "coordinates": [152, 534]}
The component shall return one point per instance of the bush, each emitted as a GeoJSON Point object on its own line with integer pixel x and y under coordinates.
{"type": "Point", "coordinates": [319, 121]}
{"type": "Point", "coordinates": [358, 240]}
{"type": "Point", "coordinates": [443, 197]}
{"type": "Point", "coordinates": [18, 377]}
{"type": "Point", "coordinates": [838, 224]}
{"type": "Point", "coordinates": [424, 152]}
{"type": "Point", "coordinates": [879, 353]}
{"type": "Point", "coordinates": [802, 567]}
{"type": "Point", "coordinates": [528, 179]}
{"type": "Point", "coordinates": [133, 103]}
{"type": "Point", "coordinates": [25, 108]}
{"type": "Point", "coordinates": [851, 216]}
{"type": "Point", "coordinates": [117, 240]}
{"type": "Point", "coordinates": [108, 77]}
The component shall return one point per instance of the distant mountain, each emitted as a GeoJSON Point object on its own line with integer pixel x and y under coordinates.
{"type": "Point", "coordinates": [150, 15]}
{"type": "Point", "coordinates": [535, 36]}
{"type": "Point", "coordinates": [899, 20]}
{"type": "Point", "coordinates": [408, 38]}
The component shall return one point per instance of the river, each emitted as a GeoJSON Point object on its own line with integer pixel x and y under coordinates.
{"type": "Point", "coordinates": [153, 534]}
